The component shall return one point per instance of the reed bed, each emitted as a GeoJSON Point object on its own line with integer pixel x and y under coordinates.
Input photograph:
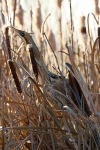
{"type": "Point", "coordinates": [49, 92]}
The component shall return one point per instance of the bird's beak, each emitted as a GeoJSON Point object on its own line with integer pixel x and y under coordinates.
{"type": "Point", "coordinates": [18, 32]}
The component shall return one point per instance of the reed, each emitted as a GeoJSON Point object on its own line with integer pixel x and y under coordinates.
{"type": "Point", "coordinates": [38, 24]}
{"type": "Point", "coordinates": [19, 17]}
{"type": "Point", "coordinates": [38, 16]}
{"type": "Point", "coordinates": [59, 3]}
{"type": "Point", "coordinates": [52, 40]}
{"type": "Point", "coordinates": [96, 7]}
{"type": "Point", "coordinates": [83, 31]}
{"type": "Point", "coordinates": [31, 16]}
{"type": "Point", "coordinates": [51, 102]}
{"type": "Point", "coordinates": [5, 7]}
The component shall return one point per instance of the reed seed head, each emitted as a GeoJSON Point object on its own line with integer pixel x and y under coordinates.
{"type": "Point", "coordinates": [82, 29]}
{"type": "Point", "coordinates": [38, 16]}
{"type": "Point", "coordinates": [19, 15]}
{"type": "Point", "coordinates": [59, 2]}
{"type": "Point", "coordinates": [52, 40]}
{"type": "Point", "coordinates": [96, 7]}
{"type": "Point", "coordinates": [82, 21]}
{"type": "Point", "coordinates": [15, 76]}
{"type": "Point", "coordinates": [82, 25]}
{"type": "Point", "coordinates": [31, 17]}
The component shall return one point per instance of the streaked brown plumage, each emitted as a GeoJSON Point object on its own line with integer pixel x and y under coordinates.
{"type": "Point", "coordinates": [58, 89]}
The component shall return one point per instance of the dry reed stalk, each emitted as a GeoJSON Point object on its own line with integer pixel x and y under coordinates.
{"type": "Point", "coordinates": [84, 40]}
{"type": "Point", "coordinates": [80, 80]}
{"type": "Point", "coordinates": [82, 30]}
{"type": "Point", "coordinates": [2, 120]}
{"type": "Point", "coordinates": [90, 42]}
{"type": "Point", "coordinates": [93, 132]}
{"type": "Point", "coordinates": [94, 78]}
{"type": "Point", "coordinates": [46, 104]}
{"type": "Point", "coordinates": [31, 16]}
{"type": "Point", "coordinates": [97, 57]}
{"type": "Point", "coordinates": [38, 24]}
{"type": "Point", "coordinates": [88, 17]}
{"type": "Point", "coordinates": [58, 3]}
{"type": "Point", "coordinates": [71, 22]}
{"type": "Point", "coordinates": [96, 7]}
{"type": "Point", "coordinates": [52, 40]}
{"type": "Point", "coordinates": [52, 51]}
{"type": "Point", "coordinates": [38, 17]}
{"type": "Point", "coordinates": [5, 10]}
{"type": "Point", "coordinates": [2, 61]}
{"type": "Point", "coordinates": [19, 15]}
{"type": "Point", "coordinates": [15, 76]}
{"type": "Point", "coordinates": [12, 5]}
{"type": "Point", "coordinates": [99, 36]}
{"type": "Point", "coordinates": [8, 42]}
{"type": "Point", "coordinates": [4, 7]}
{"type": "Point", "coordinates": [33, 61]}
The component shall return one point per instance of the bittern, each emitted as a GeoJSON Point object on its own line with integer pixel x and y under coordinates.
{"type": "Point", "coordinates": [63, 91]}
{"type": "Point", "coordinates": [44, 75]}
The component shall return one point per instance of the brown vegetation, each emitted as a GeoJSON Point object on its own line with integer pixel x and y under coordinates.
{"type": "Point", "coordinates": [44, 107]}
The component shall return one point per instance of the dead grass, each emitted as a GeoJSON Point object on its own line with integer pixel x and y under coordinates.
{"type": "Point", "coordinates": [41, 110]}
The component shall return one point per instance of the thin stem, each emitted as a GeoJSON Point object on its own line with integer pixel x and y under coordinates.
{"type": "Point", "coordinates": [14, 13]}
{"type": "Point", "coordinates": [71, 20]}
{"type": "Point", "coordinates": [52, 51]}
{"type": "Point", "coordinates": [89, 27]}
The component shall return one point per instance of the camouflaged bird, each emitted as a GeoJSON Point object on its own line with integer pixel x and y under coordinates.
{"type": "Point", "coordinates": [60, 91]}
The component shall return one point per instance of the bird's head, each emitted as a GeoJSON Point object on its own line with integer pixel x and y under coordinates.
{"type": "Point", "coordinates": [26, 37]}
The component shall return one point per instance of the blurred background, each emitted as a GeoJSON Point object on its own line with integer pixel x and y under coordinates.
{"type": "Point", "coordinates": [66, 24]}
{"type": "Point", "coordinates": [55, 26]}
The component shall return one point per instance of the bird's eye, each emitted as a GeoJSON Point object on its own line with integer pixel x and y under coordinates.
{"type": "Point", "coordinates": [21, 33]}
